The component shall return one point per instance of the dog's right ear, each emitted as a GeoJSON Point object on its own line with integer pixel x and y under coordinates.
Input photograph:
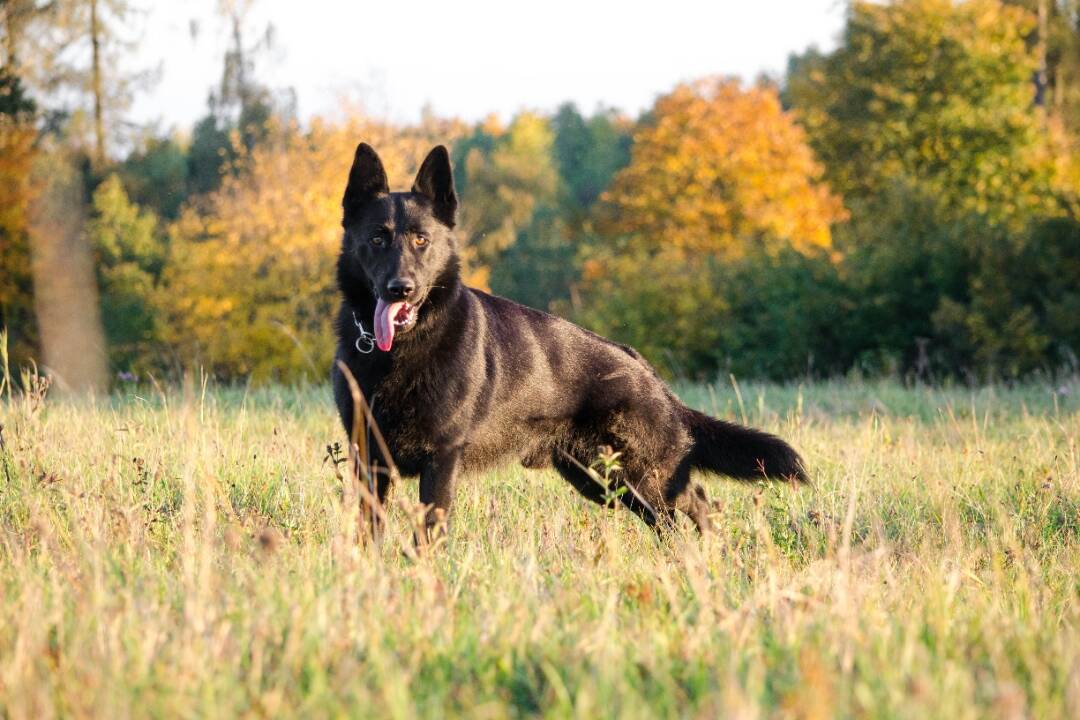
{"type": "Point", "coordinates": [367, 180]}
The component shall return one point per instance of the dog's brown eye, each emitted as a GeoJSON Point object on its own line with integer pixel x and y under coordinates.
{"type": "Point", "coordinates": [377, 240]}
{"type": "Point", "coordinates": [420, 240]}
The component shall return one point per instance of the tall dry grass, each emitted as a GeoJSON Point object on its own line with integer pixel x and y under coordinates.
{"type": "Point", "coordinates": [187, 553]}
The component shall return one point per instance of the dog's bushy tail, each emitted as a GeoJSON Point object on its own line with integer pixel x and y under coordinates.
{"type": "Point", "coordinates": [741, 452]}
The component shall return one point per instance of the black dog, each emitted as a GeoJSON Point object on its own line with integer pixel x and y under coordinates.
{"type": "Point", "coordinates": [459, 379]}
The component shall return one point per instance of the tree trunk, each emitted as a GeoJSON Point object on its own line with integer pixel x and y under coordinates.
{"type": "Point", "coordinates": [96, 85]}
{"type": "Point", "coordinates": [65, 289]}
{"type": "Point", "coordinates": [11, 53]}
{"type": "Point", "coordinates": [1040, 51]}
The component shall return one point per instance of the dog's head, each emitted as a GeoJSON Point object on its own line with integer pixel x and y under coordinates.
{"type": "Point", "coordinates": [399, 245]}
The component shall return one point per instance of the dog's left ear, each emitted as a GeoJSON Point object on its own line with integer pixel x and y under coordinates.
{"type": "Point", "coordinates": [435, 181]}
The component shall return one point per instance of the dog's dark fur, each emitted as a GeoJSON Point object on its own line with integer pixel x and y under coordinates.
{"type": "Point", "coordinates": [479, 379]}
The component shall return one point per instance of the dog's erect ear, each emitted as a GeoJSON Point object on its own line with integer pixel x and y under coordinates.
{"type": "Point", "coordinates": [367, 180]}
{"type": "Point", "coordinates": [435, 181]}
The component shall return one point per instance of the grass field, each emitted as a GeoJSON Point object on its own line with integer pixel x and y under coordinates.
{"type": "Point", "coordinates": [188, 554]}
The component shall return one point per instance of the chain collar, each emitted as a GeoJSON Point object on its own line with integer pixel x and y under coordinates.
{"type": "Point", "coordinates": [366, 342]}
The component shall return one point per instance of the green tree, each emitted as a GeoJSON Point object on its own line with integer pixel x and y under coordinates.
{"type": "Point", "coordinates": [901, 255]}
{"type": "Point", "coordinates": [505, 177]}
{"type": "Point", "coordinates": [129, 257]}
{"type": "Point", "coordinates": [541, 266]}
{"type": "Point", "coordinates": [156, 175]}
{"type": "Point", "coordinates": [1019, 305]}
{"type": "Point", "coordinates": [527, 189]}
{"type": "Point", "coordinates": [588, 152]}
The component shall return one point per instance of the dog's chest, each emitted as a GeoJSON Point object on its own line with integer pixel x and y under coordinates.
{"type": "Point", "coordinates": [421, 417]}
{"type": "Point", "coordinates": [408, 421]}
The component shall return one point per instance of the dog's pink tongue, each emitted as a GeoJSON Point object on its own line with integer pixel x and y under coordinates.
{"type": "Point", "coordinates": [384, 323]}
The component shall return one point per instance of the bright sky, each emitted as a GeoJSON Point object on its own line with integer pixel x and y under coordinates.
{"type": "Point", "coordinates": [469, 58]}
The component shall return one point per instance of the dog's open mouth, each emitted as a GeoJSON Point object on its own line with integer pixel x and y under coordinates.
{"type": "Point", "coordinates": [392, 318]}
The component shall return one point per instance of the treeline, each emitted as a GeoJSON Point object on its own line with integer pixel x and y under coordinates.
{"type": "Point", "coordinates": [906, 203]}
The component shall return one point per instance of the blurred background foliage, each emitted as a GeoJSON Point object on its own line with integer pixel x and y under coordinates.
{"type": "Point", "coordinates": [905, 204]}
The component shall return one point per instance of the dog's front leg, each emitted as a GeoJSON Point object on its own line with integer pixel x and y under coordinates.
{"type": "Point", "coordinates": [437, 491]}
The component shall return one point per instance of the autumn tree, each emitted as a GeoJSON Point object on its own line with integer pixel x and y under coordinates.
{"type": "Point", "coordinates": [718, 173]}
{"type": "Point", "coordinates": [717, 168]}
{"type": "Point", "coordinates": [17, 135]}
{"type": "Point", "coordinates": [936, 95]}
{"type": "Point", "coordinates": [36, 37]}
{"type": "Point", "coordinates": [1055, 39]}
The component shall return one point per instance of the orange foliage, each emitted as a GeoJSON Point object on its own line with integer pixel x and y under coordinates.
{"type": "Point", "coordinates": [16, 156]}
{"type": "Point", "coordinates": [716, 167]}
{"type": "Point", "coordinates": [16, 304]}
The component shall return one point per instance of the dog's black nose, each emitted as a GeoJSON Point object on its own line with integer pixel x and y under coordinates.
{"type": "Point", "coordinates": [400, 288]}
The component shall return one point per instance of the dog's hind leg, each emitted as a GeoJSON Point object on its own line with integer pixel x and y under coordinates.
{"type": "Point", "coordinates": [694, 503]}
{"type": "Point", "coordinates": [688, 497]}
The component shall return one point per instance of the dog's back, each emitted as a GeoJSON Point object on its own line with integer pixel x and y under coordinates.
{"type": "Point", "coordinates": [539, 383]}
